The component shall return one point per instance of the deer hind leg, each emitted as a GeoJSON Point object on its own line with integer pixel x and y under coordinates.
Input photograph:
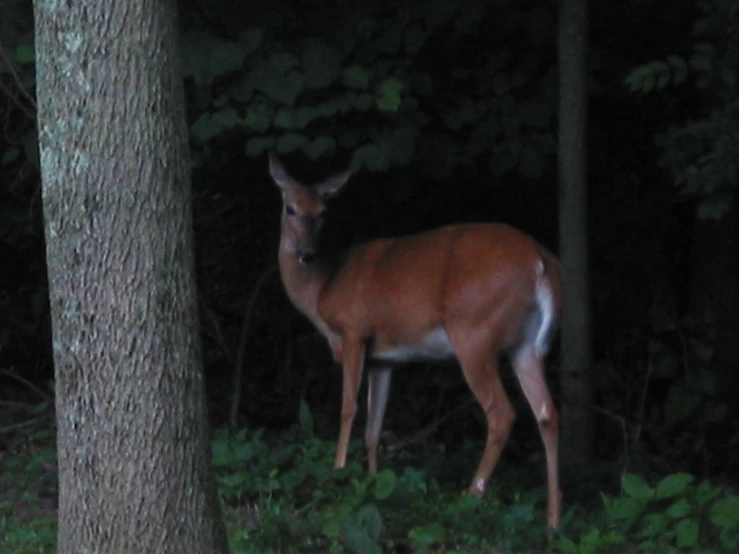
{"type": "Point", "coordinates": [352, 359]}
{"type": "Point", "coordinates": [529, 369]}
{"type": "Point", "coordinates": [377, 395]}
{"type": "Point", "coordinates": [480, 368]}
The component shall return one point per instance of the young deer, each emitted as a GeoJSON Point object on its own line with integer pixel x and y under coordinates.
{"type": "Point", "coordinates": [470, 291]}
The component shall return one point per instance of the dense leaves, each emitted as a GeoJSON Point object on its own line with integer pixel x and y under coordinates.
{"type": "Point", "coordinates": [372, 81]}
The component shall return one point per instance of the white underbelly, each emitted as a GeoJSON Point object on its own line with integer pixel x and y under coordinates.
{"type": "Point", "coordinates": [434, 346]}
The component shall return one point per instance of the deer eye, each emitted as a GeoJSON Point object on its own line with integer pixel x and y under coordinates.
{"type": "Point", "coordinates": [289, 210]}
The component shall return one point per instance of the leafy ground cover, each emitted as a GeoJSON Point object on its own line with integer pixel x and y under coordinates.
{"type": "Point", "coordinates": [282, 496]}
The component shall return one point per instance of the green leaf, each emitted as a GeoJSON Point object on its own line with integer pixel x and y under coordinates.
{"type": "Point", "coordinates": [285, 118]}
{"type": "Point", "coordinates": [321, 64]}
{"type": "Point", "coordinates": [648, 83]}
{"type": "Point", "coordinates": [258, 117]}
{"type": "Point", "coordinates": [725, 512]}
{"type": "Point", "coordinates": [256, 146]}
{"type": "Point", "coordinates": [329, 109]}
{"type": "Point", "coordinates": [205, 56]}
{"type": "Point", "coordinates": [221, 101]}
{"type": "Point", "coordinates": [24, 54]}
{"type": "Point", "coordinates": [427, 535]}
{"type": "Point", "coordinates": [306, 418]}
{"type": "Point", "coordinates": [331, 528]}
{"type": "Point", "coordinates": [319, 146]}
{"type": "Point", "coordinates": [290, 142]}
{"type": "Point", "coordinates": [705, 492]}
{"type": "Point", "coordinates": [369, 518]}
{"type": "Point", "coordinates": [205, 127]}
{"type": "Point", "coordinates": [679, 509]}
{"type": "Point", "coordinates": [636, 487]}
{"type": "Point", "coordinates": [251, 39]}
{"type": "Point", "coordinates": [680, 66]}
{"type": "Point", "coordinates": [385, 484]}
{"type": "Point", "coordinates": [304, 115]}
{"type": "Point", "coordinates": [282, 62]}
{"type": "Point", "coordinates": [357, 539]}
{"type": "Point", "coordinates": [285, 89]}
{"type": "Point", "coordinates": [654, 525]}
{"type": "Point", "coordinates": [355, 77]}
{"type": "Point", "coordinates": [372, 157]}
{"type": "Point", "coordinates": [10, 155]}
{"type": "Point", "coordinates": [228, 117]}
{"type": "Point", "coordinates": [673, 485]}
{"type": "Point", "coordinates": [388, 94]}
{"type": "Point", "coordinates": [687, 533]}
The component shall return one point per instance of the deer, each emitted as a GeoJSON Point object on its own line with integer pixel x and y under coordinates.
{"type": "Point", "coordinates": [469, 291]}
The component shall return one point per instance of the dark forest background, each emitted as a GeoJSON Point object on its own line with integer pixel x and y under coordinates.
{"type": "Point", "coordinates": [449, 112]}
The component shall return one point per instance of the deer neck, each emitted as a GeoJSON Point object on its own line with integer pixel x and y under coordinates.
{"type": "Point", "coordinates": [303, 283]}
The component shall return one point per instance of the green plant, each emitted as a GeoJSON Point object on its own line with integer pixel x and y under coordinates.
{"type": "Point", "coordinates": [676, 516]}
{"type": "Point", "coordinates": [701, 153]}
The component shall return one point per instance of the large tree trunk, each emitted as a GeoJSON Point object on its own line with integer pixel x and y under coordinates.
{"type": "Point", "coordinates": [576, 376]}
{"type": "Point", "coordinates": [133, 441]}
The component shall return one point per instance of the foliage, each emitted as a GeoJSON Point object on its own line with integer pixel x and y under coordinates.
{"type": "Point", "coordinates": [288, 499]}
{"type": "Point", "coordinates": [27, 487]}
{"type": "Point", "coordinates": [701, 153]}
{"type": "Point", "coordinates": [675, 516]}
{"type": "Point", "coordinates": [349, 511]}
{"type": "Point", "coordinates": [281, 495]}
{"type": "Point", "coordinates": [364, 85]}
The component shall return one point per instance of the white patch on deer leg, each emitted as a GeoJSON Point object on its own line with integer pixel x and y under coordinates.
{"type": "Point", "coordinates": [480, 486]}
{"type": "Point", "coordinates": [544, 415]}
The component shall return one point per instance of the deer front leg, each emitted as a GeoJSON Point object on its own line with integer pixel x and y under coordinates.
{"type": "Point", "coordinates": [352, 365]}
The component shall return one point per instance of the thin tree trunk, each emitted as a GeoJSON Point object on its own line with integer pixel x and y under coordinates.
{"type": "Point", "coordinates": [576, 377]}
{"type": "Point", "coordinates": [133, 440]}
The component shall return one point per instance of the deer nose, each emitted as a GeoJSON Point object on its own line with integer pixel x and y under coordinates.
{"type": "Point", "coordinates": [307, 256]}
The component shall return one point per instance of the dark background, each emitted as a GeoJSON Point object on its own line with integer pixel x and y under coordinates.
{"type": "Point", "coordinates": [663, 399]}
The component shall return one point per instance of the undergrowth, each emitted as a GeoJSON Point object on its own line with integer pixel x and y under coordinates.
{"type": "Point", "coordinates": [281, 497]}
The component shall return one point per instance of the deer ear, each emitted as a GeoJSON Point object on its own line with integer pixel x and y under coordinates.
{"type": "Point", "coordinates": [277, 171]}
{"type": "Point", "coordinates": [332, 186]}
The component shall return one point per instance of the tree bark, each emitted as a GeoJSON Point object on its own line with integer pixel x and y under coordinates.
{"type": "Point", "coordinates": [133, 440]}
{"type": "Point", "coordinates": [576, 378]}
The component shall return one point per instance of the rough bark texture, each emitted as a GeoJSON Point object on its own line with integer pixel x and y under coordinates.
{"type": "Point", "coordinates": [576, 377]}
{"type": "Point", "coordinates": [133, 442]}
